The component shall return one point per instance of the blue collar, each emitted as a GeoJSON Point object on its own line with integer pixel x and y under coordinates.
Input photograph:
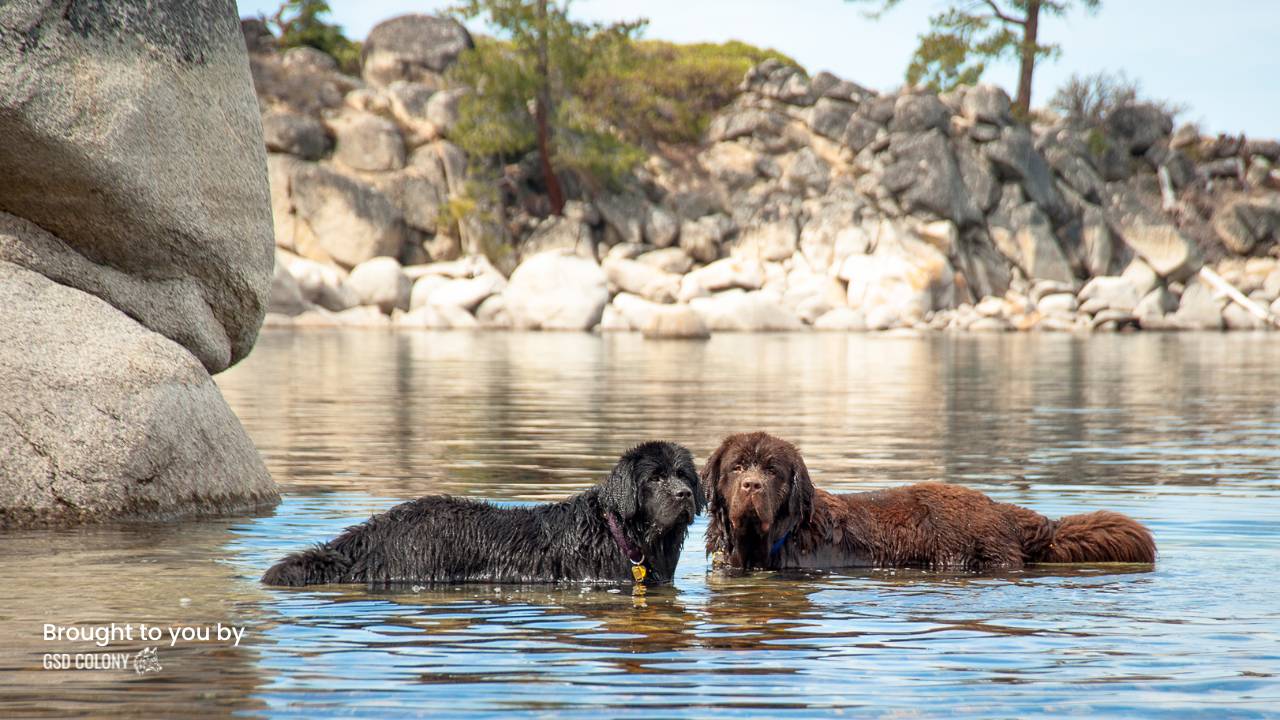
{"type": "Point", "coordinates": [778, 545]}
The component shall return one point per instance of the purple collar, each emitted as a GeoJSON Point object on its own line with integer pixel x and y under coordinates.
{"type": "Point", "coordinates": [632, 552]}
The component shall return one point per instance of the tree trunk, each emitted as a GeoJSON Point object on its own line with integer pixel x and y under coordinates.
{"type": "Point", "coordinates": [1028, 64]}
{"type": "Point", "coordinates": [542, 112]}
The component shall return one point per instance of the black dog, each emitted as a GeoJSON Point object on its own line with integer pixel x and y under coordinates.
{"type": "Point", "coordinates": [628, 528]}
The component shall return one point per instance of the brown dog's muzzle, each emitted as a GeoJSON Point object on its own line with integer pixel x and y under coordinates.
{"type": "Point", "coordinates": [753, 499]}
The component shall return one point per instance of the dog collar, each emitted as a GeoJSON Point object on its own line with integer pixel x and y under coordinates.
{"type": "Point", "coordinates": [778, 545]}
{"type": "Point", "coordinates": [633, 553]}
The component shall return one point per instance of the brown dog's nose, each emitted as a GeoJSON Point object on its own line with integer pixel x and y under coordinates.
{"type": "Point", "coordinates": [752, 485]}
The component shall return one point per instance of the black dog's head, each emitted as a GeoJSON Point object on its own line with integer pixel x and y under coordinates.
{"type": "Point", "coordinates": [654, 487]}
{"type": "Point", "coordinates": [759, 491]}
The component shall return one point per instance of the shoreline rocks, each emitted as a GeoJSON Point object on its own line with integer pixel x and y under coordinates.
{"type": "Point", "coordinates": [809, 203]}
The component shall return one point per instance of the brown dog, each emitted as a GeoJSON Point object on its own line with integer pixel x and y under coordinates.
{"type": "Point", "coordinates": [766, 513]}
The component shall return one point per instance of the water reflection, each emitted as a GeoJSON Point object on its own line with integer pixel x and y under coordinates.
{"type": "Point", "coordinates": [1180, 431]}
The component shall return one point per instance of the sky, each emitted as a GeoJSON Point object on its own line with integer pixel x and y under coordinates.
{"type": "Point", "coordinates": [1220, 60]}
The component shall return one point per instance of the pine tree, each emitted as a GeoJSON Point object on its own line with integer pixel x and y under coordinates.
{"type": "Point", "coordinates": [969, 33]}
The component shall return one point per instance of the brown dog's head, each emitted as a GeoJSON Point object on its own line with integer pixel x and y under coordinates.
{"type": "Point", "coordinates": [758, 492]}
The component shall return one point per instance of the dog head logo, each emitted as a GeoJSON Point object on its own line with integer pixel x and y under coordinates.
{"type": "Point", "coordinates": [146, 661]}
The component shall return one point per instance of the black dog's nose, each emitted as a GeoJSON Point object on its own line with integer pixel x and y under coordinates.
{"type": "Point", "coordinates": [752, 485]}
{"type": "Point", "coordinates": [684, 493]}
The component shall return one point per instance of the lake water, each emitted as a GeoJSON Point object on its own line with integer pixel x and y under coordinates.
{"type": "Point", "coordinates": [1180, 431]}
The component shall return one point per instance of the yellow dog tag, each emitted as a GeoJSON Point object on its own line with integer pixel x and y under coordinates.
{"type": "Point", "coordinates": [638, 572]}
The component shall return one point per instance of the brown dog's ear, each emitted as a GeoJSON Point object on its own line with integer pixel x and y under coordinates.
{"type": "Point", "coordinates": [800, 499]}
{"type": "Point", "coordinates": [718, 515]}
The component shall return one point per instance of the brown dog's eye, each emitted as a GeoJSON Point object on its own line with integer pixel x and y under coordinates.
{"type": "Point", "coordinates": [737, 467]}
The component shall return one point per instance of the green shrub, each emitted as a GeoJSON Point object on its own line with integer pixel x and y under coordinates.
{"type": "Point", "coordinates": [297, 23]}
{"type": "Point", "coordinates": [663, 92]}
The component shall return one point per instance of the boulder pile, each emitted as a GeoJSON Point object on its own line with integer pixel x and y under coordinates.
{"type": "Point", "coordinates": [812, 203]}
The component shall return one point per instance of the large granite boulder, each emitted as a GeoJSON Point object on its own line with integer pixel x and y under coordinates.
{"type": "Point", "coordinates": [417, 48]}
{"type": "Point", "coordinates": [104, 418]}
{"type": "Point", "coordinates": [135, 259]}
{"type": "Point", "coordinates": [133, 137]}
{"type": "Point", "coordinates": [557, 290]}
{"type": "Point", "coordinates": [347, 221]}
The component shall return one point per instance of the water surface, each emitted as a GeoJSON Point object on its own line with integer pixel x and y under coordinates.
{"type": "Point", "coordinates": [1181, 431]}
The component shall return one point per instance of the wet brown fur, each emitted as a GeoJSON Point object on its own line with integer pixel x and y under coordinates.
{"type": "Point", "coordinates": [766, 513]}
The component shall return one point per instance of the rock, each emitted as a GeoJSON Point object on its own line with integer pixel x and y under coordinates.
{"type": "Point", "coordinates": [739, 310]}
{"type": "Point", "coordinates": [1057, 304]}
{"type": "Point", "coordinates": [1097, 242]}
{"type": "Point", "coordinates": [731, 272]}
{"type": "Point", "coordinates": [661, 227]}
{"type": "Point", "coordinates": [733, 165]}
{"type": "Point", "coordinates": [672, 260]}
{"type": "Point", "coordinates": [990, 324]}
{"type": "Point", "coordinates": [806, 174]}
{"type": "Point", "coordinates": [1245, 222]}
{"type": "Point", "coordinates": [987, 104]}
{"type": "Point", "coordinates": [299, 135]}
{"type": "Point", "coordinates": [979, 178]}
{"type": "Point", "coordinates": [425, 317]}
{"type": "Point", "coordinates": [320, 284]}
{"type": "Point", "coordinates": [643, 280]}
{"type": "Point", "coordinates": [257, 36]}
{"type": "Point", "coordinates": [349, 221]}
{"type": "Point", "coordinates": [777, 81]}
{"type": "Point", "coordinates": [367, 142]}
{"type": "Point", "coordinates": [635, 311]}
{"type": "Point", "coordinates": [1136, 127]}
{"type": "Point", "coordinates": [364, 316]}
{"type": "Point", "coordinates": [418, 193]}
{"type": "Point", "coordinates": [811, 296]}
{"type": "Point", "coordinates": [1200, 307]}
{"type": "Point", "coordinates": [1116, 291]}
{"type": "Point", "coordinates": [1157, 303]}
{"type": "Point", "coordinates": [423, 286]}
{"type": "Point", "coordinates": [927, 178]}
{"type": "Point", "coordinates": [408, 103]}
{"type": "Point", "coordinates": [132, 139]}
{"type": "Point", "coordinates": [1166, 250]}
{"type": "Point", "coordinates": [105, 419]}
{"type": "Point", "coordinates": [831, 235]}
{"type": "Point", "coordinates": [492, 313]}
{"type": "Point", "coordinates": [1141, 276]}
{"type": "Point", "coordinates": [308, 59]}
{"type": "Point", "coordinates": [1032, 246]}
{"type": "Point", "coordinates": [824, 84]}
{"type": "Point", "coordinates": [1015, 157]}
{"type": "Point", "coordinates": [842, 318]}
{"type": "Point", "coordinates": [887, 286]}
{"type": "Point", "coordinates": [465, 293]}
{"type": "Point", "coordinates": [559, 233]}
{"type": "Point", "coordinates": [443, 109]}
{"type": "Point", "coordinates": [624, 215]}
{"type": "Point", "coordinates": [557, 290]}
{"type": "Point", "coordinates": [676, 322]}
{"type": "Point", "coordinates": [734, 123]}
{"type": "Point", "coordinates": [829, 118]}
{"type": "Point", "coordinates": [919, 113]}
{"type": "Point", "coordinates": [1077, 172]}
{"type": "Point", "coordinates": [286, 296]}
{"type": "Point", "coordinates": [701, 238]}
{"type": "Point", "coordinates": [768, 241]}
{"type": "Point", "coordinates": [381, 282]}
{"type": "Point", "coordinates": [613, 321]}
{"type": "Point", "coordinates": [1271, 284]}
{"type": "Point", "coordinates": [860, 132]}
{"type": "Point", "coordinates": [417, 48]}
{"type": "Point", "coordinates": [628, 251]}
{"type": "Point", "coordinates": [1236, 317]}
{"type": "Point", "coordinates": [941, 234]}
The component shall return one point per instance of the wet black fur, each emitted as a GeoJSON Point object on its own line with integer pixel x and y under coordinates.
{"type": "Point", "coordinates": [653, 490]}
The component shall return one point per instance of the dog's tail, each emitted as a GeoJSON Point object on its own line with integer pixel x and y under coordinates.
{"type": "Point", "coordinates": [314, 566]}
{"type": "Point", "coordinates": [1100, 536]}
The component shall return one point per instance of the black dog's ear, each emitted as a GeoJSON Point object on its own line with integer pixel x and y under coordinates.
{"type": "Point", "coordinates": [620, 492]}
{"type": "Point", "coordinates": [800, 499]}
